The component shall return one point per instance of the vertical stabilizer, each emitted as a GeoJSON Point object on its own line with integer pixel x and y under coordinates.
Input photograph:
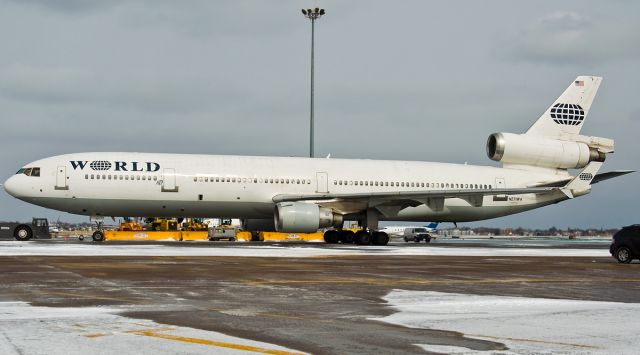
{"type": "Point", "coordinates": [567, 114]}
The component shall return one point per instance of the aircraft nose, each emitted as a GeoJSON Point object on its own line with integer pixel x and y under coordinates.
{"type": "Point", "coordinates": [10, 186]}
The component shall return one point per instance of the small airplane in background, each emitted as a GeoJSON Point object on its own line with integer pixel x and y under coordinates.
{"type": "Point", "coordinates": [399, 230]}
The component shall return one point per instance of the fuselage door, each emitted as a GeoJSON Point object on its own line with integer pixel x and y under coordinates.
{"type": "Point", "coordinates": [323, 182]}
{"type": "Point", "coordinates": [61, 178]}
{"type": "Point", "coordinates": [500, 185]}
{"type": "Point", "coordinates": [169, 180]}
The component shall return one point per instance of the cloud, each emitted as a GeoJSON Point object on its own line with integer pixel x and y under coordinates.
{"type": "Point", "coordinates": [570, 38]}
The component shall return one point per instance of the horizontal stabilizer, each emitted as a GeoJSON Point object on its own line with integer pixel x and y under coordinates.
{"type": "Point", "coordinates": [598, 178]}
{"type": "Point", "coordinates": [610, 175]}
{"type": "Point", "coordinates": [582, 182]}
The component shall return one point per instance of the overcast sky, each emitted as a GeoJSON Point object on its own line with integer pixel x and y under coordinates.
{"type": "Point", "coordinates": [409, 80]}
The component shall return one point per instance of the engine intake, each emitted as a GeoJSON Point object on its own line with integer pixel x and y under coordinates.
{"type": "Point", "coordinates": [304, 217]}
{"type": "Point", "coordinates": [519, 149]}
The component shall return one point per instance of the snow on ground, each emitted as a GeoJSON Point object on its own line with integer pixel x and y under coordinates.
{"type": "Point", "coordinates": [15, 248]}
{"type": "Point", "coordinates": [525, 325]}
{"type": "Point", "coordinates": [26, 329]}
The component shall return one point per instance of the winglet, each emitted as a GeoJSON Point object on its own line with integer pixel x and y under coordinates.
{"type": "Point", "coordinates": [582, 182]}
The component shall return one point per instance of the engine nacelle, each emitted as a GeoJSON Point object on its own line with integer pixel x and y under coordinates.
{"type": "Point", "coordinates": [304, 217]}
{"type": "Point", "coordinates": [510, 148]}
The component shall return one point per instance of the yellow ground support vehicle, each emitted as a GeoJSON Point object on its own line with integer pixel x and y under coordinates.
{"type": "Point", "coordinates": [194, 224]}
{"type": "Point", "coordinates": [129, 225]}
{"type": "Point", "coordinates": [162, 224]}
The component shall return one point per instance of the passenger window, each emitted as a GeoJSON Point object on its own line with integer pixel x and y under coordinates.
{"type": "Point", "coordinates": [282, 181]}
{"type": "Point", "coordinates": [195, 179]}
{"type": "Point", "coordinates": [206, 179]}
{"type": "Point", "coordinates": [255, 180]}
{"type": "Point", "coordinates": [86, 176]}
{"type": "Point", "coordinates": [138, 178]}
{"type": "Point", "coordinates": [91, 176]}
{"type": "Point", "coordinates": [97, 177]}
{"type": "Point", "coordinates": [155, 178]}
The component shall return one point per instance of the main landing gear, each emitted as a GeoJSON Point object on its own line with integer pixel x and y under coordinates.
{"type": "Point", "coordinates": [98, 235]}
{"type": "Point", "coordinates": [361, 237]}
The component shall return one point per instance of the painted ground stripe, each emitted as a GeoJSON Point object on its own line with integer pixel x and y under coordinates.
{"type": "Point", "coordinates": [220, 344]}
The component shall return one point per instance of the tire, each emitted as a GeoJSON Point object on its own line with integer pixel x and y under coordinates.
{"type": "Point", "coordinates": [347, 237]}
{"type": "Point", "coordinates": [406, 240]}
{"type": "Point", "coordinates": [232, 239]}
{"type": "Point", "coordinates": [380, 238]}
{"type": "Point", "coordinates": [81, 237]}
{"type": "Point", "coordinates": [623, 254]}
{"type": "Point", "coordinates": [23, 233]}
{"type": "Point", "coordinates": [331, 237]}
{"type": "Point", "coordinates": [362, 238]}
{"type": "Point", "coordinates": [416, 239]}
{"type": "Point", "coordinates": [98, 236]}
{"type": "Point", "coordinates": [427, 239]}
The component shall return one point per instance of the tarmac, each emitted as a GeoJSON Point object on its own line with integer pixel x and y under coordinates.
{"type": "Point", "coordinates": [310, 298]}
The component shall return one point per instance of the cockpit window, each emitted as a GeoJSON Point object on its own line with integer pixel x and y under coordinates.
{"type": "Point", "coordinates": [29, 171]}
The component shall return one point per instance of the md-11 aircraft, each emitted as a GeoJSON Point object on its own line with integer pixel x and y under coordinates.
{"type": "Point", "coordinates": [306, 194]}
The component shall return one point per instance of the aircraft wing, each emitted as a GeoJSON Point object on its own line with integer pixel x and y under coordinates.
{"type": "Point", "coordinates": [389, 203]}
{"type": "Point", "coordinates": [412, 194]}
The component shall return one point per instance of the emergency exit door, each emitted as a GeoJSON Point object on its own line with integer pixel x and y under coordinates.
{"type": "Point", "coordinates": [500, 185]}
{"type": "Point", "coordinates": [169, 183]}
{"type": "Point", "coordinates": [61, 178]}
{"type": "Point", "coordinates": [323, 182]}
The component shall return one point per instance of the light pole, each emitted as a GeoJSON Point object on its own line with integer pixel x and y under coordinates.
{"type": "Point", "coordinates": [312, 15]}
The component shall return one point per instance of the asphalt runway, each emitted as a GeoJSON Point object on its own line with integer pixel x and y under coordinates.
{"type": "Point", "coordinates": [320, 304]}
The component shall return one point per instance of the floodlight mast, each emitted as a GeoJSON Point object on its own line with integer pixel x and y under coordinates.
{"type": "Point", "coordinates": [313, 15]}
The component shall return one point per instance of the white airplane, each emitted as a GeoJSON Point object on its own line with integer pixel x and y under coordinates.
{"type": "Point", "coordinates": [306, 194]}
{"type": "Point", "coordinates": [399, 230]}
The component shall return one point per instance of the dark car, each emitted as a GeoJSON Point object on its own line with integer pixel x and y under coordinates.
{"type": "Point", "coordinates": [417, 235]}
{"type": "Point", "coordinates": [626, 244]}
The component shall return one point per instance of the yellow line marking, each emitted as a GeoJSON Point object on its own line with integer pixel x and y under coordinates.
{"type": "Point", "coordinates": [220, 344]}
{"type": "Point", "coordinates": [96, 335]}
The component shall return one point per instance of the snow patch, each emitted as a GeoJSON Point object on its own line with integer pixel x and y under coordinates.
{"type": "Point", "coordinates": [26, 329]}
{"type": "Point", "coordinates": [525, 325]}
{"type": "Point", "coordinates": [16, 248]}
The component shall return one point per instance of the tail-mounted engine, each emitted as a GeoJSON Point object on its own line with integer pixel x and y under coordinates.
{"type": "Point", "coordinates": [522, 149]}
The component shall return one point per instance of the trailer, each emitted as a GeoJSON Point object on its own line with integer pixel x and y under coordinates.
{"type": "Point", "coordinates": [37, 229]}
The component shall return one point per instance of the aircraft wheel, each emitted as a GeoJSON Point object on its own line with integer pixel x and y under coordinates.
{"type": "Point", "coordinates": [347, 237]}
{"type": "Point", "coordinates": [380, 238]}
{"type": "Point", "coordinates": [23, 233]}
{"type": "Point", "coordinates": [623, 254]}
{"type": "Point", "coordinates": [98, 236]}
{"type": "Point", "coordinates": [362, 238]}
{"type": "Point", "coordinates": [331, 237]}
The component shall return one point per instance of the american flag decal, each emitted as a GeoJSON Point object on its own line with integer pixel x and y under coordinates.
{"type": "Point", "coordinates": [579, 82]}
